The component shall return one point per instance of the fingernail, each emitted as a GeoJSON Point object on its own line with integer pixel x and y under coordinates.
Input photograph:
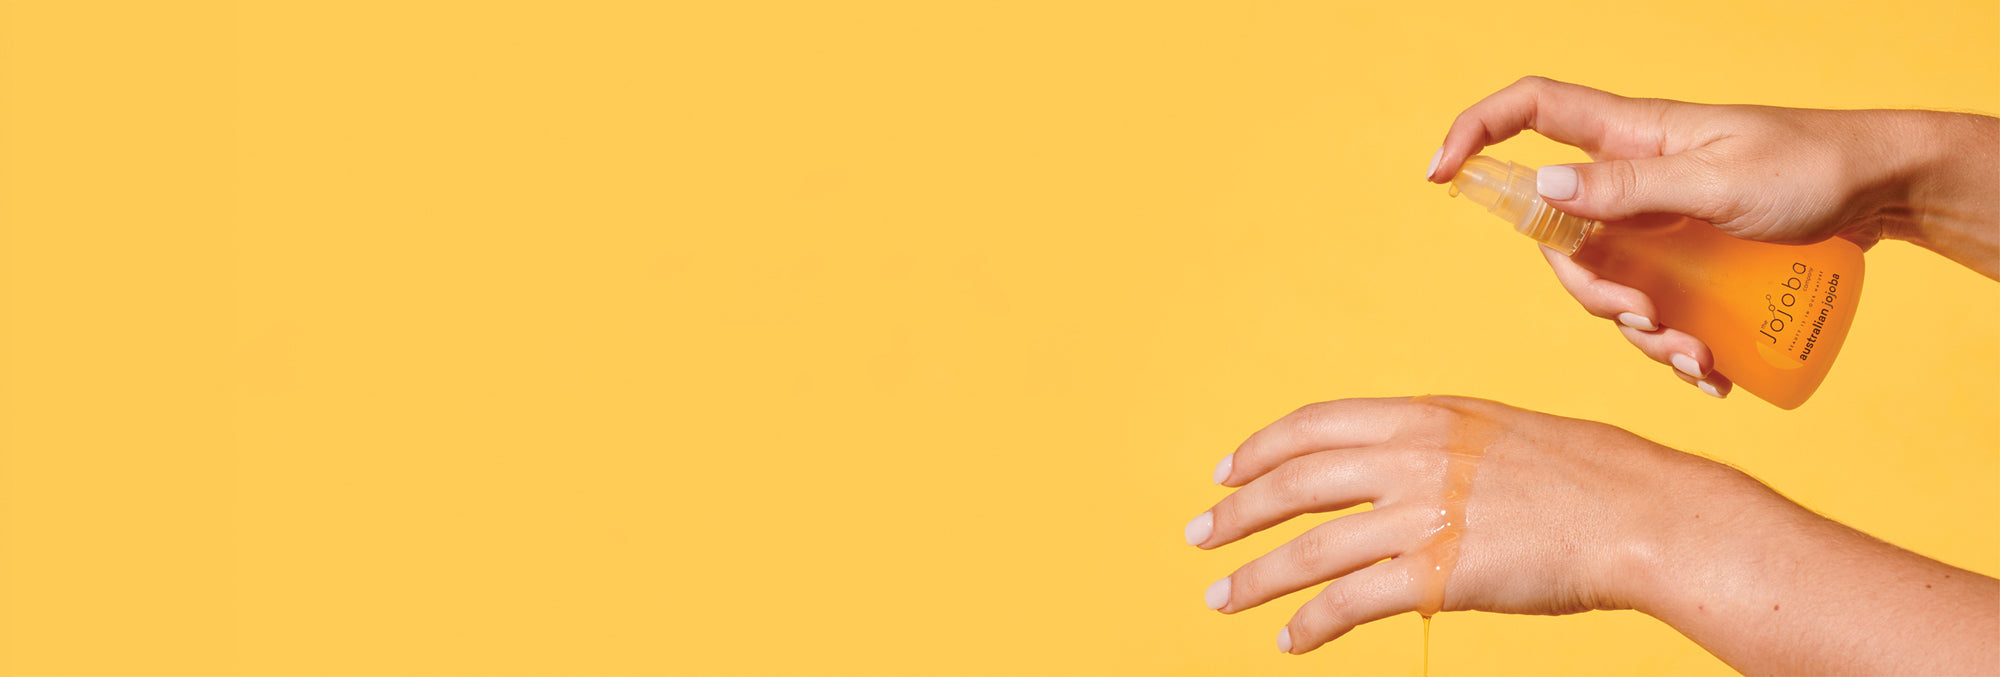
{"type": "Point", "coordinates": [1218, 594]}
{"type": "Point", "coordinates": [1285, 639]}
{"type": "Point", "coordinates": [1223, 467]}
{"type": "Point", "coordinates": [1435, 157]}
{"type": "Point", "coordinates": [1556, 182]}
{"type": "Point", "coordinates": [1709, 388]}
{"type": "Point", "coordinates": [1200, 527]}
{"type": "Point", "coordinates": [1637, 321]}
{"type": "Point", "coordinates": [1688, 366]}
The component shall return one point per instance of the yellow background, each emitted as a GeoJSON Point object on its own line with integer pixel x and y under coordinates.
{"type": "Point", "coordinates": [841, 338]}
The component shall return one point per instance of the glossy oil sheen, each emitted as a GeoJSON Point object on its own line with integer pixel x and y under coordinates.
{"type": "Point", "coordinates": [1464, 444]}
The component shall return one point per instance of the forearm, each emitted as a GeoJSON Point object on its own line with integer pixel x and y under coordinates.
{"type": "Point", "coordinates": [1954, 186]}
{"type": "Point", "coordinates": [1771, 588]}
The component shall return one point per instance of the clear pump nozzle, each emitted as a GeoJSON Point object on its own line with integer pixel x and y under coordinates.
{"type": "Point", "coordinates": [1508, 190]}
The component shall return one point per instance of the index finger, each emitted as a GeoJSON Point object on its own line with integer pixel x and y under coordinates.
{"type": "Point", "coordinates": [1602, 297]}
{"type": "Point", "coordinates": [1576, 115]}
{"type": "Point", "coordinates": [1324, 426]}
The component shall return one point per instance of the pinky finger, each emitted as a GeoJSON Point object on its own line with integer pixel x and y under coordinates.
{"type": "Point", "coordinates": [1715, 385]}
{"type": "Point", "coordinates": [1377, 592]}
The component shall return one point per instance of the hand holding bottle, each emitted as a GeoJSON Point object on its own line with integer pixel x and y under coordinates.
{"type": "Point", "coordinates": [1790, 176]}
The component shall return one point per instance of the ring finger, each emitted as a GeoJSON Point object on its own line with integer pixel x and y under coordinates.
{"type": "Point", "coordinates": [1329, 551]}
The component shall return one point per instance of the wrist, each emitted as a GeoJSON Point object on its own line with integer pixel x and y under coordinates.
{"type": "Point", "coordinates": [1713, 516]}
{"type": "Point", "coordinates": [1947, 165]}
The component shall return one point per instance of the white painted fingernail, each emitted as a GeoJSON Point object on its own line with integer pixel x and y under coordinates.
{"type": "Point", "coordinates": [1637, 321]}
{"type": "Point", "coordinates": [1218, 594]}
{"type": "Point", "coordinates": [1556, 182]}
{"type": "Point", "coordinates": [1200, 527]}
{"type": "Point", "coordinates": [1435, 157]}
{"type": "Point", "coordinates": [1709, 388]}
{"type": "Point", "coordinates": [1687, 365]}
{"type": "Point", "coordinates": [1223, 467]}
{"type": "Point", "coordinates": [1285, 639]}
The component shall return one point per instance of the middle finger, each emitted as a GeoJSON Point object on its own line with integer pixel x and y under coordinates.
{"type": "Point", "coordinates": [1319, 482]}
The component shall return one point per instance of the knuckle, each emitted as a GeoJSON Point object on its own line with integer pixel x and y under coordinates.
{"type": "Point", "coordinates": [1328, 613]}
{"type": "Point", "coordinates": [1622, 181]}
{"type": "Point", "coordinates": [1243, 587]}
{"type": "Point", "coordinates": [1290, 485]}
{"type": "Point", "coordinates": [1464, 121]}
{"type": "Point", "coordinates": [1410, 462]}
{"type": "Point", "coordinates": [1306, 625]}
{"type": "Point", "coordinates": [1312, 549]}
{"type": "Point", "coordinates": [1590, 295]}
{"type": "Point", "coordinates": [1531, 82]}
{"type": "Point", "coordinates": [1599, 302]}
{"type": "Point", "coordinates": [1620, 298]}
{"type": "Point", "coordinates": [1335, 601]}
{"type": "Point", "coordinates": [1436, 411]}
{"type": "Point", "coordinates": [1309, 419]}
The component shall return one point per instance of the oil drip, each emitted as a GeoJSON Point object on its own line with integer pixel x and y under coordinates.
{"type": "Point", "coordinates": [1464, 445]}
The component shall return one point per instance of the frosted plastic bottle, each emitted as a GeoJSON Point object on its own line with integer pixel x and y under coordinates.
{"type": "Point", "coordinates": [1773, 315]}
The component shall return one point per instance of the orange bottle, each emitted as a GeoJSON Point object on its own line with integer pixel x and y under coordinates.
{"type": "Point", "coordinates": [1773, 315]}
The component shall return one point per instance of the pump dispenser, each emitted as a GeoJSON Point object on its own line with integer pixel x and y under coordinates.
{"type": "Point", "coordinates": [1773, 315]}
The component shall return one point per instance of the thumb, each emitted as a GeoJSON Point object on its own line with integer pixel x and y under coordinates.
{"type": "Point", "coordinates": [1616, 190]}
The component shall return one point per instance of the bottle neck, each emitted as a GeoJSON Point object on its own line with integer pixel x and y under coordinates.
{"type": "Point", "coordinates": [1561, 232]}
{"type": "Point", "coordinates": [1507, 189]}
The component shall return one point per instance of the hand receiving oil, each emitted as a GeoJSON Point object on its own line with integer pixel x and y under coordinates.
{"type": "Point", "coordinates": [1549, 527]}
{"type": "Point", "coordinates": [1476, 505]}
{"type": "Point", "coordinates": [1784, 175]}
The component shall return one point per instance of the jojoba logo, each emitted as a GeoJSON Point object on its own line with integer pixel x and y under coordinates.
{"type": "Point", "coordinates": [1780, 305]}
